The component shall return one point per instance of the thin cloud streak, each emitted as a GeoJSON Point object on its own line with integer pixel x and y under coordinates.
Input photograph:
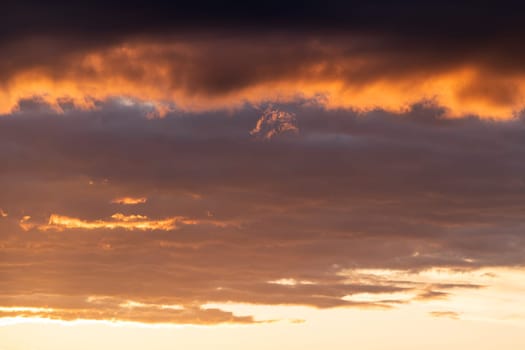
{"type": "Point", "coordinates": [127, 222]}
{"type": "Point", "coordinates": [130, 200]}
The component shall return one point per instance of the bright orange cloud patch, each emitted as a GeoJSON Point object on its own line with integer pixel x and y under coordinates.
{"type": "Point", "coordinates": [129, 200]}
{"type": "Point", "coordinates": [128, 222]}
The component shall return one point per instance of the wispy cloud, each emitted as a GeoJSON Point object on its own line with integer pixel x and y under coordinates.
{"type": "Point", "coordinates": [448, 314]}
{"type": "Point", "coordinates": [116, 310]}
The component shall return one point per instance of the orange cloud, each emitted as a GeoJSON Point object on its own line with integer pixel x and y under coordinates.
{"type": "Point", "coordinates": [127, 222]}
{"type": "Point", "coordinates": [129, 200]}
{"type": "Point", "coordinates": [198, 76]}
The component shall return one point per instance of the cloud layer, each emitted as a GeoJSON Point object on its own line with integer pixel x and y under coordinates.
{"type": "Point", "coordinates": [202, 72]}
{"type": "Point", "coordinates": [279, 222]}
{"type": "Point", "coordinates": [354, 55]}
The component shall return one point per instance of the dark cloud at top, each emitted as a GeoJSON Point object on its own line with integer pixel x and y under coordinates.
{"type": "Point", "coordinates": [462, 53]}
{"type": "Point", "coordinates": [413, 18]}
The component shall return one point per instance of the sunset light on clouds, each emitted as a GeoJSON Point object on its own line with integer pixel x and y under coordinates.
{"type": "Point", "coordinates": [277, 175]}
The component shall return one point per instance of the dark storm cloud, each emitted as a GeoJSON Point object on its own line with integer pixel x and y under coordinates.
{"type": "Point", "coordinates": [100, 18]}
{"type": "Point", "coordinates": [439, 28]}
{"type": "Point", "coordinates": [207, 55]}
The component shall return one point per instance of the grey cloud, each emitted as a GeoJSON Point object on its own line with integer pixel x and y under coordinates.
{"type": "Point", "coordinates": [410, 191]}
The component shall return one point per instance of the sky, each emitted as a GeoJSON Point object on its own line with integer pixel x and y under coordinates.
{"type": "Point", "coordinates": [286, 175]}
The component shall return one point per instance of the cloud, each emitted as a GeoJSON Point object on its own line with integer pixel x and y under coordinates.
{"type": "Point", "coordinates": [449, 314]}
{"type": "Point", "coordinates": [352, 55]}
{"type": "Point", "coordinates": [420, 20]}
{"type": "Point", "coordinates": [218, 72]}
{"type": "Point", "coordinates": [127, 222]}
{"type": "Point", "coordinates": [274, 122]}
{"type": "Point", "coordinates": [129, 200]}
{"type": "Point", "coordinates": [132, 312]}
{"type": "Point", "coordinates": [357, 210]}
{"type": "Point", "coordinates": [24, 224]}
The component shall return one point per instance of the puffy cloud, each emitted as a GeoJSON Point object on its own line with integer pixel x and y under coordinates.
{"type": "Point", "coordinates": [274, 122]}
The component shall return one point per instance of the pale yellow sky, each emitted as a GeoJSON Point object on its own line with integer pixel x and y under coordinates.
{"type": "Point", "coordinates": [492, 317]}
{"type": "Point", "coordinates": [333, 329]}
